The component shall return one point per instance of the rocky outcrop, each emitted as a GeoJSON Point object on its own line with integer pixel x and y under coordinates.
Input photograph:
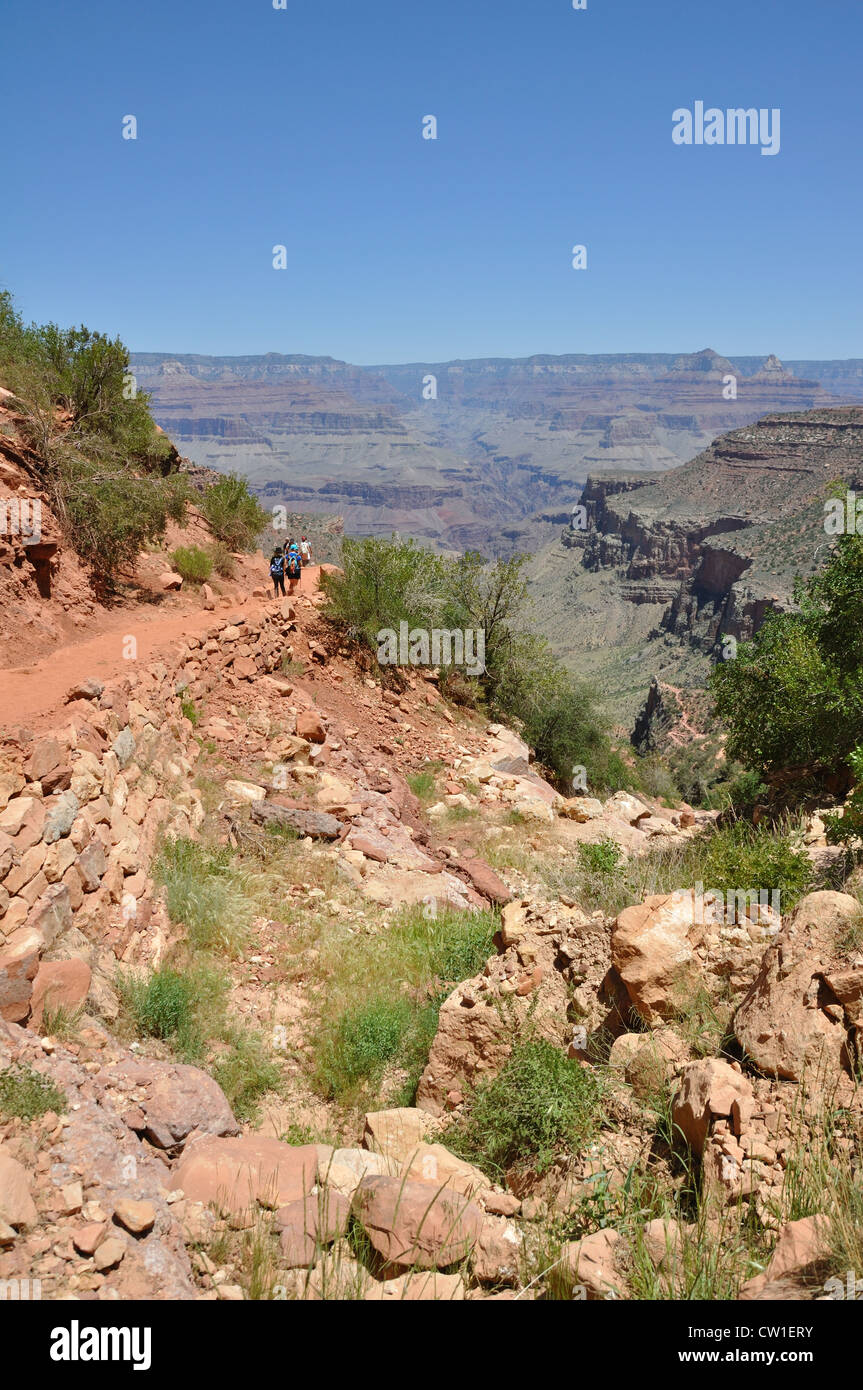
{"type": "Point", "coordinates": [803, 1015]}
{"type": "Point", "coordinates": [547, 950]}
{"type": "Point", "coordinates": [708, 548]}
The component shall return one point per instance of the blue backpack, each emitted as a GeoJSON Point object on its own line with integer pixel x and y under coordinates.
{"type": "Point", "coordinates": [277, 566]}
{"type": "Point", "coordinates": [294, 567]}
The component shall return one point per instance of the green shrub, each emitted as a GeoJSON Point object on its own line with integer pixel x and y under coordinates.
{"type": "Point", "coordinates": [367, 1037]}
{"type": "Point", "coordinates": [194, 564]}
{"type": "Point", "coordinates": [206, 892]}
{"type": "Point", "coordinates": [162, 1005]}
{"type": "Point", "coordinates": [423, 784]}
{"type": "Point", "coordinates": [792, 699]}
{"type": "Point", "coordinates": [109, 515]}
{"type": "Point", "coordinates": [103, 462]}
{"type": "Point", "coordinates": [540, 1104]}
{"type": "Point", "coordinates": [223, 560]}
{"type": "Point", "coordinates": [844, 829]}
{"type": "Point", "coordinates": [383, 583]}
{"type": "Point", "coordinates": [386, 582]}
{"type": "Point", "coordinates": [600, 858]}
{"type": "Point", "coordinates": [385, 992]}
{"type": "Point", "coordinates": [741, 857]}
{"type": "Point", "coordinates": [235, 516]}
{"type": "Point", "coordinates": [190, 711]}
{"type": "Point", "coordinates": [26, 1094]}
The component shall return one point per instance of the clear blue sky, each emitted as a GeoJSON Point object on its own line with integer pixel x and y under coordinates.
{"type": "Point", "coordinates": [303, 127]}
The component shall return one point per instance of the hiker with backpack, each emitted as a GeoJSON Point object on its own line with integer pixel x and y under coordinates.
{"type": "Point", "coordinates": [293, 567]}
{"type": "Point", "coordinates": [277, 572]}
{"type": "Point", "coordinates": [305, 552]}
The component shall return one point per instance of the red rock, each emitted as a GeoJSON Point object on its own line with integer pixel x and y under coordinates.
{"type": "Point", "coordinates": [307, 1225]}
{"type": "Point", "coordinates": [19, 962]}
{"type": "Point", "coordinates": [782, 1023]}
{"type": "Point", "coordinates": [310, 727]}
{"type": "Point", "coordinates": [417, 1223]}
{"type": "Point", "coordinates": [17, 1207]}
{"type": "Point", "coordinates": [58, 983]}
{"type": "Point", "coordinates": [370, 848]}
{"type": "Point", "coordinates": [485, 880]}
{"type": "Point", "coordinates": [85, 690]}
{"type": "Point", "coordinates": [176, 1099]}
{"type": "Point", "coordinates": [708, 1092]}
{"type": "Point", "coordinates": [46, 755]}
{"type": "Point", "coordinates": [87, 1238]}
{"type": "Point", "coordinates": [137, 1217]}
{"type": "Point", "coordinates": [235, 1174]}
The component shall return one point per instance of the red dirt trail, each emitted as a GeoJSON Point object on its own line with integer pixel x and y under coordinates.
{"type": "Point", "coordinates": [34, 695]}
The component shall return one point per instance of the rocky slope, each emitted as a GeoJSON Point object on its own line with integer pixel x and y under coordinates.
{"type": "Point", "coordinates": [133, 1177]}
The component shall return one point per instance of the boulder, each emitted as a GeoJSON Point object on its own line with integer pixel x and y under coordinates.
{"type": "Point", "coordinates": [19, 962]}
{"type": "Point", "coordinates": [581, 809]}
{"type": "Point", "coordinates": [310, 727]}
{"type": "Point", "coordinates": [343, 1170]}
{"type": "Point", "coordinates": [171, 1100]}
{"type": "Point", "coordinates": [592, 1263]}
{"type": "Point", "coordinates": [801, 1257]}
{"type": "Point", "coordinates": [59, 984]}
{"type": "Point", "coordinates": [627, 807]}
{"type": "Point", "coordinates": [497, 1256]}
{"type": "Point", "coordinates": [136, 1217]}
{"type": "Point", "coordinates": [708, 1091]}
{"type": "Point", "coordinates": [308, 1224]}
{"type": "Point", "coordinates": [648, 1060]}
{"type": "Point", "coordinates": [245, 791]}
{"type": "Point", "coordinates": [319, 825]}
{"type": "Point", "coordinates": [17, 1207]}
{"type": "Point", "coordinates": [60, 815]}
{"type": "Point", "coordinates": [85, 690]}
{"type": "Point", "coordinates": [416, 1224]}
{"type": "Point", "coordinates": [47, 755]}
{"type": "Point", "coordinates": [652, 951]}
{"type": "Point", "coordinates": [235, 1175]}
{"type": "Point", "coordinates": [434, 1164]}
{"type": "Point", "coordinates": [399, 1132]}
{"type": "Point", "coordinates": [791, 1022]}
{"type": "Point", "coordinates": [485, 880]}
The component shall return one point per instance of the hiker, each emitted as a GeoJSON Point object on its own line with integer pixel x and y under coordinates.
{"type": "Point", "coordinates": [293, 566]}
{"type": "Point", "coordinates": [305, 551]}
{"type": "Point", "coordinates": [277, 572]}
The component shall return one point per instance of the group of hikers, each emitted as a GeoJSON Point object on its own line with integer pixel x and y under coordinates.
{"type": "Point", "coordinates": [289, 560]}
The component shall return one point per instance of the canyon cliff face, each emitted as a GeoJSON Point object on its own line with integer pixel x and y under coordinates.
{"type": "Point", "coordinates": [667, 572]}
{"type": "Point", "coordinates": [502, 450]}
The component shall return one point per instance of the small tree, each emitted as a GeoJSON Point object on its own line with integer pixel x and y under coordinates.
{"type": "Point", "coordinates": [383, 583]}
{"type": "Point", "coordinates": [235, 517]}
{"type": "Point", "coordinates": [793, 697]}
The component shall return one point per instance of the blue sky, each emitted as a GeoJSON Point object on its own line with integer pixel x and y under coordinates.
{"type": "Point", "coordinates": [302, 127]}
